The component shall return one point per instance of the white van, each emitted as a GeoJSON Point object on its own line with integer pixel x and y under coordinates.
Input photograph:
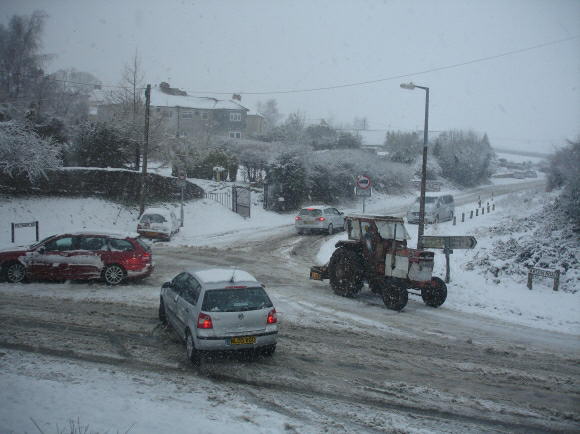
{"type": "Point", "coordinates": [158, 223]}
{"type": "Point", "coordinates": [438, 208]}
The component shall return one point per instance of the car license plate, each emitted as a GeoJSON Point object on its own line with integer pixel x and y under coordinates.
{"type": "Point", "coordinates": [243, 340]}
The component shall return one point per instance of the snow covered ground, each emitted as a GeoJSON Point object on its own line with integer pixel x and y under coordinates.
{"type": "Point", "coordinates": [108, 399]}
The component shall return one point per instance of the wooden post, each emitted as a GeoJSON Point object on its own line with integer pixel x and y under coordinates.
{"type": "Point", "coordinates": [530, 281]}
{"type": "Point", "coordinates": [482, 211]}
{"type": "Point", "coordinates": [462, 217]}
{"type": "Point", "coordinates": [493, 207]}
{"type": "Point", "coordinates": [447, 251]}
{"type": "Point", "coordinates": [454, 220]}
{"type": "Point", "coordinates": [12, 231]}
{"type": "Point", "coordinates": [476, 212]}
{"type": "Point", "coordinates": [488, 208]}
{"type": "Point", "coordinates": [36, 224]}
{"type": "Point", "coordinates": [556, 280]}
{"type": "Point", "coordinates": [471, 214]}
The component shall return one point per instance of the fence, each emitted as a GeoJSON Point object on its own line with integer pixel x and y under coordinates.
{"type": "Point", "coordinates": [224, 199]}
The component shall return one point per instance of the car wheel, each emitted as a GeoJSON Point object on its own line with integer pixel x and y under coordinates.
{"type": "Point", "coordinates": [15, 272]}
{"type": "Point", "coordinates": [269, 350]}
{"type": "Point", "coordinates": [162, 313]}
{"type": "Point", "coordinates": [113, 274]}
{"type": "Point", "coordinates": [395, 297]}
{"type": "Point", "coordinates": [346, 272]}
{"type": "Point", "coordinates": [330, 229]}
{"type": "Point", "coordinates": [191, 352]}
{"type": "Point", "coordinates": [300, 231]}
{"type": "Point", "coordinates": [435, 294]}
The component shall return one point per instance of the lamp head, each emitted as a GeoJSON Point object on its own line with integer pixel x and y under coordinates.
{"type": "Point", "coordinates": [409, 85]}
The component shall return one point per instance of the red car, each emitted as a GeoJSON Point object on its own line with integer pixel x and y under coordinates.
{"type": "Point", "coordinates": [79, 256]}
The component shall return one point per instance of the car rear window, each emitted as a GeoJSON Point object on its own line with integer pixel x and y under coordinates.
{"type": "Point", "coordinates": [153, 218]}
{"type": "Point", "coordinates": [311, 212]}
{"type": "Point", "coordinates": [235, 300]}
{"type": "Point", "coordinates": [143, 244]}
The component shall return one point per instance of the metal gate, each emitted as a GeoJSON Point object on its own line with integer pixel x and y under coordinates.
{"type": "Point", "coordinates": [241, 200]}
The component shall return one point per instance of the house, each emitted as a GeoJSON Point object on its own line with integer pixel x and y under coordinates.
{"type": "Point", "coordinates": [193, 116]}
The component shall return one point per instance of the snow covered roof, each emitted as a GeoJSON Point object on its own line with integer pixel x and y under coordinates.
{"type": "Point", "coordinates": [216, 275]}
{"type": "Point", "coordinates": [163, 99]}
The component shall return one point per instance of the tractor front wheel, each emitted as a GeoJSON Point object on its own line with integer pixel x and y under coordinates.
{"type": "Point", "coordinates": [435, 294]}
{"type": "Point", "coordinates": [346, 272]}
{"type": "Point", "coordinates": [395, 297]}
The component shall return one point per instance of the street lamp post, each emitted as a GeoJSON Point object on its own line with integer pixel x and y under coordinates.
{"type": "Point", "coordinates": [421, 228]}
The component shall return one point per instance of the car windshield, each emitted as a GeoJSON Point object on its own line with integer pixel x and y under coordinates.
{"type": "Point", "coordinates": [311, 212]}
{"type": "Point", "coordinates": [153, 218]}
{"type": "Point", "coordinates": [235, 300]}
{"type": "Point", "coordinates": [32, 246]}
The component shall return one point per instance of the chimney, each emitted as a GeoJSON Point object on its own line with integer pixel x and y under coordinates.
{"type": "Point", "coordinates": [237, 96]}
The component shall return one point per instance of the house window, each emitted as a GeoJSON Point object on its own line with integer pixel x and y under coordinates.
{"type": "Point", "coordinates": [187, 114]}
{"type": "Point", "coordinates": [204, 116]}
{"type": "Point", "coordinates": [235, 117]}
{"type": "Point", "coordinates": [235, 135]}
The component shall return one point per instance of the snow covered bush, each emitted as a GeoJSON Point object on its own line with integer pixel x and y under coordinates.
{"type": "Point", "coordinates": [23, 151]}
{"type": "Point", "coordinates": [545, 239]}
{"type": "Point", "coordinates": [464, 156]}
{"type": "Point", "coordinates": [288, 172]}
{"type": "Point", "coordinates": [564, 173]}
{"type": "Point", "coordinates": [102, 145]}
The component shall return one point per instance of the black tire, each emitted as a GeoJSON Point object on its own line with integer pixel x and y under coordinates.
{"type": "Point", "coordinates": [330, 229]}
{"type": "Point", "coordinates": [435, 294]}
{"type": "Point", "coordinates": [300, 231]}
{"type": "Point", "coordinates": [190, 351]}
{"type": "Point", "coordinates": [269, 350]}
{"type": "Point", "coordinates": [15, 272]}
{"type": "Point", "coordinates": [162, 313]}
{"type": "Point", "coordinates": [346, 272]}
{"type": "Point", "coordinates": [395, 297]}
{"type": "Point", "coordinates": [113, 274]}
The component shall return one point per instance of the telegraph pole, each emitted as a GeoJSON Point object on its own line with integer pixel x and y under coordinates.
{"type": "Point", "coordinates": [145, 149]}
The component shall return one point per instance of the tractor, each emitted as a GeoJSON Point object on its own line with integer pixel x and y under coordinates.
{"type": "Point", "coordinates": [376, 252]}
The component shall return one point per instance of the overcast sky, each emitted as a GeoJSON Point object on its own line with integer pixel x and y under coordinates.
{"type": "Point", "coordinates": [528, 100]}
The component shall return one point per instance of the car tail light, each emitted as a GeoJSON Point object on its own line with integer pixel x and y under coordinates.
{"type": "Point", "coordinates": [272, 317]}
{"type": "Point", "coordinates": [204, 321]}
{"type": "Point", "coordinates": [298, 218]}
{"type": "Point", "coordinates": [320, 219]}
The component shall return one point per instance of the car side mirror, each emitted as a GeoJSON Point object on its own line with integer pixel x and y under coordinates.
{"type": "Point", "coordinates": [41, 249]}
{"type": "Point", "coordinates": [166, 285]}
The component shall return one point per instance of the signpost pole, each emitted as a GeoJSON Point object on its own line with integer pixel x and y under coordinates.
{"type": "Point", "coordinates": [447, 251]}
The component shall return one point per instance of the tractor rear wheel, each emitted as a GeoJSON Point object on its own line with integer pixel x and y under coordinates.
{"type": "Point", "coordinates": [435, 294]}
{"type": "Point", "coordinates": [395, 297]}
{"type": "Point", "coordinates": [346, 272]}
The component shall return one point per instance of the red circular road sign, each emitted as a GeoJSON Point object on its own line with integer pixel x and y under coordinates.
{"type": "Point", "coordinates": [363, 182]}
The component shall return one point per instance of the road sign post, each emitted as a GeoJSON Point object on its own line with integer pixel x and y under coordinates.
{"type": "Point", "coordinates": [363, 188]}
{"type": "Point", "coordinates": [448, 244]}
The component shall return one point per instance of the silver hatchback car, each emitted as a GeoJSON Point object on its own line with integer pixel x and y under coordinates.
{"type": "Point", "coordinates": [320, 218]}
{"type": "Point", "coordinates": [219, 310]}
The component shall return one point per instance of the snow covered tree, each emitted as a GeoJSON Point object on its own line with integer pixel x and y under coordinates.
{"type": "Point", "coordinates": [101, 145]}
{"type": "Point", "coordinates": [288, 172]}
{"type": "Point", "coordinates": [464, 156]}
{"type": "Point", "coordinates": [321, 136]}
{"type": "Point", "coordinates": [348, 141]}
{"type": "Point", "coordinates": [23, 151]}
{"type": "Point", "coordinates": [403, 147]}
{"type": "Point", "coordinates": [272, 116]}
{"type": "Point", "coordinates": [20, 62]}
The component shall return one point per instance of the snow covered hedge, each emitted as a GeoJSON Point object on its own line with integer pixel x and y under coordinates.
{"type": "Point", "coordinates": [115, 184]}
{"type": "Point", "coordinates": [24, 152]}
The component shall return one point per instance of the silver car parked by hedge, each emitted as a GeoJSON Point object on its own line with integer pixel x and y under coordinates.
{"type": "Point", "coordinates": [219, 310]}
{"type": "Point", "coordinates": [319, 218]}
